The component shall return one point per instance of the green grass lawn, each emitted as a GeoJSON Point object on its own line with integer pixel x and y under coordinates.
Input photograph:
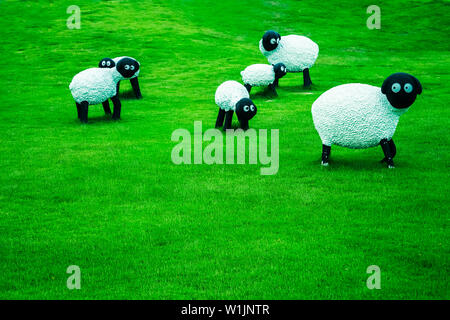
{"type": "Point", "coordinates": [107, 197]}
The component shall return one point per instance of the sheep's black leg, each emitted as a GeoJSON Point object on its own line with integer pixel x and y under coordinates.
{"type": "Point", "coordinates": [84, 111]}
{"type": "Point", "coordinates": [78, 109]}
{"type": "Point", "coordinates": [306, 78]}
{"type": "Point", "coordinates": [136, 89]}
{"type": "Point", "coordinates": [117, 107]}
{"type": "Point", "coordinates": [393, 150]}
{"type": "Point", "coordinates": [106, 107]}
{"type": "Point", "coordinates": [275, 83]}
{"type": "Point", "coordinates": [228, 119]}
{"type": "Point", "coordinates": [220, 118]}
{"type": "Point", "coordinates": [248, 87]}
{"type": "Point", "coordinates": [326, 150]}
{"type": "Point", "coordinates": [244, 124]}
{"type": "Point", "coordinates": [117, 88]}
{"type": "Point", "coordinates": [273, 90]}
{"type": "Point", "coordinates": [387, 152]}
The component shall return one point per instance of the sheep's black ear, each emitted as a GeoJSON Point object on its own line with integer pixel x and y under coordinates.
{"type": "Point", "coordinates": [418, 86]}
{"type": "Point", "coordinates": [384, 87]}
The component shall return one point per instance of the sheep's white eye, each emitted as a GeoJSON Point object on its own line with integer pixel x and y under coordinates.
{"type": "Point", "coordinates": [108, 63]}
{"type": "Point", "coordinates": [132, 67]}
{"type": "Point", "coordinates": [127, 67]}
{"type": "Point", "coordinates": [282, 69]}
{"type": "Point", "coordinates": [252, 107]}
{"type": "Point", "coordinates": [103, 63]}
{"type": "Point", "coordinates": [246, 108]}
{"type": "Point", "coordinates": [273, 41]}
{"type": "Point", "coordinates": [278, 40]}
{"type": "Point", "coordinates": [408, 88]}
{"type": "Point", "coordinates": [396, 87]}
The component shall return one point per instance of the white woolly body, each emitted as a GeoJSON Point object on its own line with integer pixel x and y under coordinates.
{"type": "Point", "coordinates": [94, 85]}
{"type": "Point", "coordinates": [355, 116]}
{"type": "Point", "coordinates": [229, 93]}
{"type": "Point", "coordinates": [258, 75]}
{"type": "Point", "coordinates": [296, 52]}
{"type": "Point", "coordinates": [117, 59]}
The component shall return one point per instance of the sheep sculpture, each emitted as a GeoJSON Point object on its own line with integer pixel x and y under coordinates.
{"type": "Point", "coordinates": [298, 53]}
{"type": "Point", "coordinates": [231, 96]}
{"type": "Point", "coordinates": [261, 75]}
{"type": "Point", "coordinates": [97, 85]}
{"type": "Point", "coordinates": [361, 116]}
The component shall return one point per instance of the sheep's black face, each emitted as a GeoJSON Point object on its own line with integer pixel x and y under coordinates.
{"type": "Point", "coordinates": [401, 89]}
{"type": "Point", "coordinates": [270, 40]}
{"type": "Point", "coordinates": [127, 67]}
{"type": "Point", "coordinates": [106, 63]}
{"type": "Point", "coordinates": [280, 70]}
{"type": "Point", "coordinates": [245, 109]}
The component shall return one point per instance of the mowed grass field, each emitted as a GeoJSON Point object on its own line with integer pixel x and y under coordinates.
{"type": "Point", "coordinates": [107, 197]}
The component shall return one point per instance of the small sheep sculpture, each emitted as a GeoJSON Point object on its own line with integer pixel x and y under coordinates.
{"type": "Point", "coordinates": [232, 96]}
{"type": "Point", "coordinates": [262, 75]}
{"type": "Point", "coordinates": [106, 63]}
{"type": "Point", "coordinates": [97, 85]}
{"type": "Point", "coordinates": [361, 116]}
{"type": "Point", "coordinates": [298, 53]}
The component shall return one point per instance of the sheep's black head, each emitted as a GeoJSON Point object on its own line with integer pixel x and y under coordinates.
{"type": "Point", "coordinates": [245, 109]}
{"type": "Point", "coordinates": [280, 70]}
{"type": "Point", "coordinates": [127, 67]}
{"type": "Point", "coordinates": [106, 63]}
{"type": "Point", "coordinates": [401, 89]}
{"type": "Point", "coordinates": [270, 40]}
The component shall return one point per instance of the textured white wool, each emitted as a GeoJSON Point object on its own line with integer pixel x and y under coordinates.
{"type": "Point", "coordinates": [229, 93]}
{"type": "Point", "coordinates": [355, 116]}
{"type": "Point", "coordinates": [258, 75]}
{"type": "Point", "coordinates": [296, 52]}
{"type": "Point", "coordinates": [117, 59]}
{"type": "Point", "coordinates": [94, 85]}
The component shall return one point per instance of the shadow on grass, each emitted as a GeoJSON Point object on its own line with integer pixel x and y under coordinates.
{"type": "Point", "coordinates": [355, 165]}
{"type": "Point", "coordinates": [127, 95]}
{"type": "Point", "coordinates": [264, 93]}
{"type": "Point", "coordinates": [298, 89]}
{"type": "Point", "coordinates": [97, 120]}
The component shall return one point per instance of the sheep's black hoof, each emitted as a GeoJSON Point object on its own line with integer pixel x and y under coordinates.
{"type": "Point", "coordinates": [83, 112]}
{"type": "Point", "coordinates": [390, 163]}
{"type": "Point", "coordinates": [389, 152]}
{"type": "Point", "coordinates": [326, 151]}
